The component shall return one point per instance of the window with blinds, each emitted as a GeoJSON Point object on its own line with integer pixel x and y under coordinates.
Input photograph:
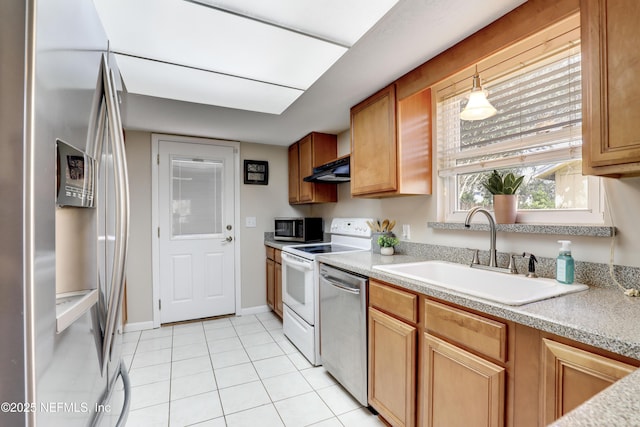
{"type": "Point", "coordinates": [537, 133]}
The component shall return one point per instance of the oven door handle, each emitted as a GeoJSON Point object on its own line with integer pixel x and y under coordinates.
{"type": "Point", "coordinates": [295, 263]}
{"type": "Point", "coordinates": [355, 291]}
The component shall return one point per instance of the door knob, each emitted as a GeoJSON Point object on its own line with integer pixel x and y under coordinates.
{"type": "Point", "coordinates": [227, 239]}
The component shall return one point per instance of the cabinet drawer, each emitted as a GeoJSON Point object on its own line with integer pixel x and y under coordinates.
{"type": "Point", "coordinates": [270, 252]}
{"type": "Point", "coordinates": [278, 256]}
{"type": "Point", "coordinates": [401, 304]}
{"type": "Point", "coordinates": [474, 332]}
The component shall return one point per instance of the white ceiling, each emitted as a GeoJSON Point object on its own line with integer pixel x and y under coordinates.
{"type": "Point", "coordinates": [203, 50]}
{"type": "Point", "coordinates": [412, 32]}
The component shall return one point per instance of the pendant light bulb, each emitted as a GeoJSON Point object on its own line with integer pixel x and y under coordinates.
{"type": "Point", "coordinates": [478, 107]}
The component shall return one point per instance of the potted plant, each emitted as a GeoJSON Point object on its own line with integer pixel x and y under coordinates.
{"type": "Point", "coordinates": [386, 244]}
{"type": "Point", "coordinates": [505, 201]}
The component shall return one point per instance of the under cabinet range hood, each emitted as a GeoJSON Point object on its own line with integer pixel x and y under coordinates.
{"type": "Point", "coordinates": [336, 171]}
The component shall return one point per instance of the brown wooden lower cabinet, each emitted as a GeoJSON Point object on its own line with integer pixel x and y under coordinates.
{"type": "Point", "coordinates": [392, 368]}
{"type": "Point", "coordinates": [459, 388]}
{"type": "Point", "coordinates": [433, 363]}
{"type": "Point", "coordinates": [571, 376]}
{"type": "Point", "coordinates": [274, 279]}
{"type": "Point", "coordinates": [278, 289]}
{"type": "Point", "coordinates": [271, 283]}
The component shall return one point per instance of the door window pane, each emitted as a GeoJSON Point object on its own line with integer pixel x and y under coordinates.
{"type": "Point", "coordinates": [196, 197]}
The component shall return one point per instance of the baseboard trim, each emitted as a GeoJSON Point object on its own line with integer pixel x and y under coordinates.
{"type": "Point", "coordinates": [138, 326]}
{"type": "Point", "coordinates": [255, 310]}
{"type": "Point", "coordinates": [143, 326]}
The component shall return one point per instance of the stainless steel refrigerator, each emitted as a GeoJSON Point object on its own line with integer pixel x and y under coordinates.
{"type": "Point", "coordinates": [63, 246]}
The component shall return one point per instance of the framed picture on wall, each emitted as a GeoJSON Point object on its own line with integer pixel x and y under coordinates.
{"type": "Point", "coordinates": [256, 172]}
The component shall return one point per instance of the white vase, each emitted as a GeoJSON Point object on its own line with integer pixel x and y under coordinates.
{"type": "Point", "coordinates": [386, 250]}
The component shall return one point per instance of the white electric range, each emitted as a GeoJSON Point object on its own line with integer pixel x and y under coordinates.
{"type": "Point", "coordinates": [300, 281]}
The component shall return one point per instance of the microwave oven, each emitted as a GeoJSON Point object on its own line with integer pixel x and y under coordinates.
{"type": "Point", "coordinates": [299, 229]}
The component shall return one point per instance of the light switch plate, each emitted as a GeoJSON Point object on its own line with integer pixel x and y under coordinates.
{"type": "Point", "coordinates": [406, 231]}
{"type": "Point", "coordinates": [250, 222]}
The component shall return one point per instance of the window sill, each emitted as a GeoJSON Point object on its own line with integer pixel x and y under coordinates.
{"type": "Point", "coordinates": [566, 230]}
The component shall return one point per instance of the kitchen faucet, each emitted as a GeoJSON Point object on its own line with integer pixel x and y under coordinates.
{"type": "Point", "coordinates": [492, 230]}
{"type": "Point", "coordinates": [493, 262]}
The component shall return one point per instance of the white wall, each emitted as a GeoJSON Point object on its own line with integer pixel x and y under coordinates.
{"type": "Point", "coordinates": [266, 202]}
{"type": "Point", "coordinates": [139, 284]}
{"type": "Point", "coordinates": [623, 195]}
{"type": "Point", "coordinates": [262, 202]}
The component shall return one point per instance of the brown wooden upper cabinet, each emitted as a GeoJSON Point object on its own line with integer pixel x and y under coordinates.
{"type": "Point", "coordinates": [391, 144]}
{"type": "Point", "coordinates": [311, 151]}
{"type": "Point", "coordinates": [611, 89]}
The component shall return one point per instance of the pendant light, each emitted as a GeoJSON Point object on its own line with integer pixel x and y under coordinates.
{"type": "Point", "coordinates": [478, 107]}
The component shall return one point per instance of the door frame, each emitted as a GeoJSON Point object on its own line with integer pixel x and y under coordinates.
{"type": "Point", "coordinates": [155, 221]}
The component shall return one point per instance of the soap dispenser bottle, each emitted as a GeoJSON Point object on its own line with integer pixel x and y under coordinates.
{"type": "Point", "coordinates": [565, 267]}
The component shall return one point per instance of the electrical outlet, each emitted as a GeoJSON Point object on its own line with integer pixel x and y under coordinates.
{"type": "Point", "coordinates": [250, 222]}
{"type": "Point", "coordinates": [406, 231]}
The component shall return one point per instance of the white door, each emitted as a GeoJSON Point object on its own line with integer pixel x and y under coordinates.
{"type": "Point", "coordinates": [196, 235]}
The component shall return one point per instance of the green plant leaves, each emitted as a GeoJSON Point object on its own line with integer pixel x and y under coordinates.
{"type": "Point", "coordinates": [387, 241]}
{"type": "Point", "coordinates": [498, 184]}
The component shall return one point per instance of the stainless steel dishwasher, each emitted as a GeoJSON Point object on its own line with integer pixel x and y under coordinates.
{"type": "Point", "coordinates": [343, 329]}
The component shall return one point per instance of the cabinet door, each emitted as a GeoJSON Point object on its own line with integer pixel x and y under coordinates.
{"type": "Point", "coordinates": [271, 275]}
{"type": "Point", "coordinates": [459, 388]}
{"type": "Point", "coordinates": [611, 88]}
{"type": "Point", "coordinates": [571, 376]}
{"type": "Point", "coordinates": [392, 368]}
{"type": "Point", "coordinates": [313, 150]}
{"type": "Point", "coordinates": [306, 168]}
{"type": "Point", "coordinates": [373, 144]}
{"type": "Point", "coordinates": [294, 174]}
{"type": "Point", "coordinates": [278, 289]}
{"type": "Point", "coordinates": [414, 143]}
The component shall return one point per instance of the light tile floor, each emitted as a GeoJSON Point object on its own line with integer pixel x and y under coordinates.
{"type": "Point", "coordinates": [236, 371]}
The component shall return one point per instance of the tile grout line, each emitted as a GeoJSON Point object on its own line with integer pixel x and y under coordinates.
{"type": "Point", "coordinates": [298, 370]}
{"type": "Point", "coordinates": [244, 347]}
{"type": "Point", "coordinates": [170, 379]}
{"type": "Point", "coordinates": [209, 346]}
{"type": "Point", "coordinates": [213, 371]}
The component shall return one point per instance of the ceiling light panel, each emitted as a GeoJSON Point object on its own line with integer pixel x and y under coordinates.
{"type": "Point", "coordinates": [341, 21]}
{"type": "Point", "coordinates": [190, 34]}
{"type": "Point", "coordinates": [152, 78]}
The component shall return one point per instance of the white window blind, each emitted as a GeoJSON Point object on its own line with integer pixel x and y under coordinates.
{"type": "Point", "coordinates": [538, 122]}
{"type": "Point", "coordinates": [196, 197]}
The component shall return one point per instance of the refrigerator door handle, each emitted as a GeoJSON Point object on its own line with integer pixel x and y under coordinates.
{"type": "Point", "coordinates": [122, 192]}
{"type": "Point", "coordinates": [100, 309]}
{"type": "Point", "coordinates": [122, 211]}
{"type": "Point", "coordinates": [122, 420]}
{"type": "Point", "coordinates": [104, 402]}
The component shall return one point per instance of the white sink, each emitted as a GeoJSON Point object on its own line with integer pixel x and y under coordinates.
{"type": "Point", "coordinates": [510, 289]}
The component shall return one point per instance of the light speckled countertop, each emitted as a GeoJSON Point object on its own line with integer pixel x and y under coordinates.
{"type": "Point", "coordinates": [601, 317]}
{"type": "Point", "coordinates": [277, 245]}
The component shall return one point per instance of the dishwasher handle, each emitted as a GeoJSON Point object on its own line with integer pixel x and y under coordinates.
{"type": "Point", "coordinates": [332, 282]}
